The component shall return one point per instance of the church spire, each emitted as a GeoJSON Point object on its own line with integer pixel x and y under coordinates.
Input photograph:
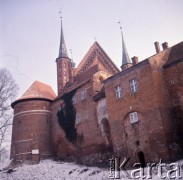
{"type": "Point", "coordinates": [125, 56]}
{"type": "Point", "coordinates": [64, 66]}
{"type": "Point", "coordinates": [126, 61]}
{"type": "Point", "coordinates": [62, 49]}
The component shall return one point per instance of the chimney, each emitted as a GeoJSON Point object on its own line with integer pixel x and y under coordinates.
{"type": "Point", "coordinates": [135, 60]}
{"type": "Point", "coordinates": [165, 45]}
{"type": "Point", "coordinates": [157, 47]}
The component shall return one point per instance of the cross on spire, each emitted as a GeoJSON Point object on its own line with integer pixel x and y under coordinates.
{"type": "Point", "coordinates": [60, 12]}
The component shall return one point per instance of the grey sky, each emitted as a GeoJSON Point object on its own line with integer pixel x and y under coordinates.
{"type": "Point", "coordinates": [30, 32]}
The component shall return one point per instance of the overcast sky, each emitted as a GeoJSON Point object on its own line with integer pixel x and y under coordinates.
{"type": "Point", "coordinates": [30, 32]}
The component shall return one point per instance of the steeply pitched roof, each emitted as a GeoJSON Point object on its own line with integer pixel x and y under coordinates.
{"type": "Point", "coordinates": [39, 90]}
{"type": "Point", "coordinates": [125, 57]}
{"type": "Point", "coordinates": [62, 49]}
{"type": "Point", "coordinates": [96, 52]}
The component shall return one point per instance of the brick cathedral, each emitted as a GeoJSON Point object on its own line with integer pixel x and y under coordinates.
{"type": "Point", "coordinates": [101, 111]}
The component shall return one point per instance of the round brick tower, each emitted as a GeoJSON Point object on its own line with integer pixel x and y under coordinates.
{"type": "Point", "coordinates": [31, 133]}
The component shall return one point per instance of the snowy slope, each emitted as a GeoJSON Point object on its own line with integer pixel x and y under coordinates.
{"type": "Point", "coordinates": [48, 169]}
{"type": "Point", "coordinates": [55, 170]}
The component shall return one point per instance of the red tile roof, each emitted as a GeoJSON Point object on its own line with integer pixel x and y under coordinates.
{"type": "Point", "coordinates": [39, 90]}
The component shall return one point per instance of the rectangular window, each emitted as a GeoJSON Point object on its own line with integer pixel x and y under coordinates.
{"type": "Point", "coordinates": [118, 92]}
{"type": "Point", "coordinates": [133, 117]}
{"type": "Point", "coordinates": [83, 94]}
{"type": "Point", "coordinates": [133, 85]}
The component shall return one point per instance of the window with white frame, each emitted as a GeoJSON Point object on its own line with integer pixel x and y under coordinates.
{"type": "Point", "coordinates": [118, 92]}
{"type": "Point", "coordinates": [83, 94]}
{"type": "Point", "coordinates": [133, 85]}
{"type": "Point", "coordinates": [133, 117]}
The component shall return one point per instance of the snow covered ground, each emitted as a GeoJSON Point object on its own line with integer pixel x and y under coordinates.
{"type": "Point", "coordinates": [56, 170]}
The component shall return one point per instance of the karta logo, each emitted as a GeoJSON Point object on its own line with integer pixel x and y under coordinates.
{"type": "Point", "coordinates": [163, 170]}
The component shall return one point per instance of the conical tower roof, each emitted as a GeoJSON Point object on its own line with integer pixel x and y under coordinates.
{"type": "Point", "coordinates": [37, 90]}
{"type": "Point", "coordinates": [62, 49]}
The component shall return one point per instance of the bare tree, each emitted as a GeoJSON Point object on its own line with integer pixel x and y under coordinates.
{"type": "Point", "coordinates": [8, 92]}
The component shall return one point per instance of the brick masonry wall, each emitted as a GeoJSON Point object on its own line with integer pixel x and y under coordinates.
{"type": "Point", "coordinates": [168, 83]}
{"type": "Point", "coordinates": [174, 82]}
{"type": "Point", "coordinates": [158, 134]}
{"type": "Point", "coordinates": [63, 72]}
{"type": "Point", "coordinates": [147, 135]}
{"type": "Point", "coordinates": [31, 129]}
{"type": "Point", "coordinates": [88, 125]}
{"type": "Point", "coordinates": [90, 140]}
{"type": "Point", "coordinates": [158, 103]}
{"type": "Point", "coordinates": [61, 146]}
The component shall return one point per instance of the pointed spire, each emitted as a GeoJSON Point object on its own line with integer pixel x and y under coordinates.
{"type": "Point", "coordinates": [62, 49]}
{"type": "Point", "coordinates": [125, 57]}
{"type": "Point", "coordinates": [126, 61]}
{"type": "Point", "coordinates": [72, 61]}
